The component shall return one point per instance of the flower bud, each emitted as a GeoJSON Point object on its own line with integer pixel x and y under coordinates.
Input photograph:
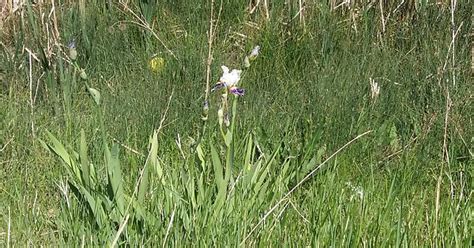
{"type": "Point", "coordinates": [83, 74]}
{"type": "Point", "coordinates": [220, 116]}
{"type": "Point", "coordinates": [254, 53]}
{"type": "Point", "coordinates": [72, 53]}
{"type": "Point", "coordinates": [205, 111]}
{"type": "Point", "coordinates": [247, 62]}
{"type": "Point", "coordinates": [226, 120]}
{"type": "Point", "coordinates": [72, 50]}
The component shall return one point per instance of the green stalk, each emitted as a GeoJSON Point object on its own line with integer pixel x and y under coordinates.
{"type": "Point", "coordinates": [230, 147]}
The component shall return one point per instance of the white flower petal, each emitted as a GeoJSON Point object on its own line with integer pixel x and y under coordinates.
{"type": "Point", "coordinates": [236, 73]}
{"type": "Point", "coordinates": [230, 78]}
{"type": "Point", "coordinates": [225, 69]}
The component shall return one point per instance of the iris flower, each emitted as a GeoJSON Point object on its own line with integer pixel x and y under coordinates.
{"type": "Point", "coordinates": [229, 79]}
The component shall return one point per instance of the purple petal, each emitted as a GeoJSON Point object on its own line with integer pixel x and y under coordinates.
{"type": "Point", "coordinates": [217, 86]}
{"type": "Point", "coordinates": [237, 91]}
{"type": "Point", "coordinates": [72, 44]}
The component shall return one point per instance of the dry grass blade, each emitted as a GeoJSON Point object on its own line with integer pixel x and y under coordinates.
{"type": "Point", "coordinates": [120, 230]}
{"type": "Point", "coordinates": [300, 183]}
{"type": "Point", "coordinates": [213, 23]}
{"type": "Point", "coordinates": [169, 227]}
{"type": "Point", "coordinates": [209, 54]}
{"type": "Point", "coordinates": [449, 104]}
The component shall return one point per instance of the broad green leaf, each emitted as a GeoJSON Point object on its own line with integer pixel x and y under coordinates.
{"type": "Point", "coordinates": [308, 167]}
{"type": "Point", "coordinates": [138, 210]}
{"type": "Point", "coordinates": [219, 177]}
{"type": "Point", "coordinates": [155, 162]}
{"type": "Point", "coordinates": [95, 206]}
{"type": "Point", "coordinates": [254, 173]}
{"type": "Point", "coordinates": [201, 156]}
{"type": "Point", "coordinates": [58, 148]}
{"type": "Point", "coordinates": [115, 177]}
{"type": "Point", "coordinates": [201, 194]}
{"type": "Point", "coordinates": [84, 159]}
{"type": "Point", "coordinates": [249, 153]}
{"type": "Point", "coordinates": [159, 169]}
{"type": "Point", "coordinates": [261, 179]}
{"type": "Point", "coordinates": [262, 174]}
{"type": "Point", "coordinates": [216, 162]}
{"type": "Point", "coordinates": [284, 176]}
{"type": "Point", "coordinates": [262, 191]}
{"type": "Point", "coordinates": [190, 187]}
{"type": "Point", "coordinates": [151, 160]}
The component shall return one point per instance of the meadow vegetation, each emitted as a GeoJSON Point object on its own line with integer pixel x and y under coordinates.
{"type": "Point", "coordinates": [355, 128]}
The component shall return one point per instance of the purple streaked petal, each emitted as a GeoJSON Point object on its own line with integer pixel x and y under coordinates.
{"type": "Point", "coordinates": [72, 44]}
{"type": "Point", "coordinates": [237, 91]}
{"type": "Point", "coordinates": [217, 86]}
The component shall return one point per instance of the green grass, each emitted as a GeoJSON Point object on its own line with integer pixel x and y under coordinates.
{"type": "Point", "coordinates": [73, 171]}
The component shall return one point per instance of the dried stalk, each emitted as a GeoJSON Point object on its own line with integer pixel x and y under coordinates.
{"type": "Point", "coordinates": [446, 158]}
{"type": "Point", "coordinates": [209, 52]}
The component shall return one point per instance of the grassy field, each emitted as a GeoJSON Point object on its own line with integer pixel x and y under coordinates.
{"type": "Point", "coordinates": [355, 129]}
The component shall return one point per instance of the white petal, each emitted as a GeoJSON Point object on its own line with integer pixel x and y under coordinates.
{"type": "Point", "coordinates": [229, 78]}
{"type": "Point", "coordinates": [225, 69]}
{"type": "Point", "coordinates": [234, 77]}
{"type": "Point", "coordinates": [236, 73]}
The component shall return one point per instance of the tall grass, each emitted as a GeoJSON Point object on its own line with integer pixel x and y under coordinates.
{"type": "Point", "coordinates": [122, 156]}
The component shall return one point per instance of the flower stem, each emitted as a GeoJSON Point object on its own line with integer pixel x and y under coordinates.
{"type": "Point", "coordinates": [230, 147]}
